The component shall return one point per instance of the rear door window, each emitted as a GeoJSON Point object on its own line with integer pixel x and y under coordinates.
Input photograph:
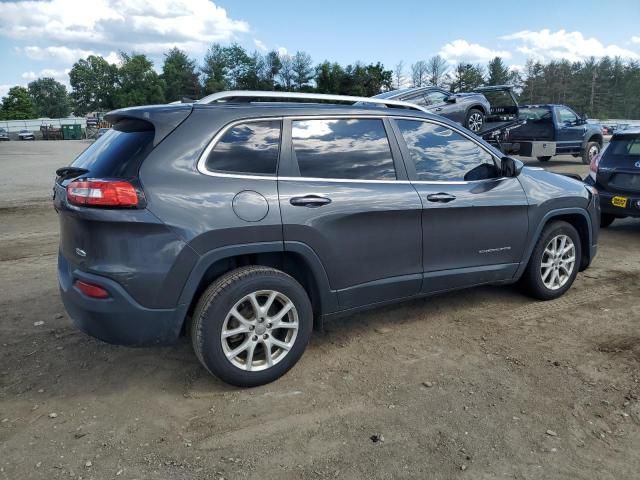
{"type": "Point", "coordinates": [119, 152]}
{"type": "Point", "coordinates": [247, 148]}
{"type": "Point", "coordinates": [351, 149]}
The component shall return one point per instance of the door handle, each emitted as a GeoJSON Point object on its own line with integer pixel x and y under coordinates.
{"type": "Point", "coordinates": [438, 109]}
{"type": "Point", "coordinates": [441, 197]}
{"type": "Point", "coordinates": [311, 201]}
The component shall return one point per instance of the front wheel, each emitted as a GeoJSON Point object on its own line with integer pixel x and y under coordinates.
{"type": "Point", "coordinates": [592, 149]}
{"type": "Point", "coordinates": [251, 325]}
{"type": "Point", "coordinates": [475, 120]}
{"type": "Point", "coordinates": [554, 263]}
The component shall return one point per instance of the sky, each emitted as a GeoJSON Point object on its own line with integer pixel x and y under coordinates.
{"type": "Point", "coordinates": [45, 37]}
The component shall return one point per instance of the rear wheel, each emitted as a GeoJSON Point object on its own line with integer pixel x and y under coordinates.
{"type": "Point", "coordinates": [606, 219]}
{"type": "Point", "coordinates": [475, 120]}
{"type": "Point", "coordinates": [251, 325]}
{"type": "Point", "coordinates": [592, 149]}
{"type": "Point", "coordinates": [546, 158]}
{"type": "Point", "coordinates": [554, 263]}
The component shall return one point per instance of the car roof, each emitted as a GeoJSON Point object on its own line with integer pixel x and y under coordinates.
{"type": "Point", "coordinates": [626, 131]}
{"type": "Point", "coordinates": [406, 91]}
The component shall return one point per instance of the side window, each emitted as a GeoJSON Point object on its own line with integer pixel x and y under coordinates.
{"type": "Point", "coordinates": [355, 149]}
{"type": "Point", "coordinates": [567, 116]}
{"type": "Point", "coordinates": [249, 148]}
{"type": "Point", "coordinates": [417, 99]}
{"type": "Point", "coordinates": [435, 97]}
{"type": "Point", "coordinates": [441, 154]}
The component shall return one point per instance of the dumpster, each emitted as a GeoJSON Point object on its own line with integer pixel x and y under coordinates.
{"type": "Point", "coordinates": [72, 132]}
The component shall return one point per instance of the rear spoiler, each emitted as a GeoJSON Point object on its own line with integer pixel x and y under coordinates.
{"type": "Point", "coordinates": [164, 118]}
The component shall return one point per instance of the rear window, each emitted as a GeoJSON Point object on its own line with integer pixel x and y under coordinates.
{"type": "Point", "coordinates": [351, 149]}
{"type": "Point", "coordinates": [622, 151]}
{"type": "Point", "coordinates": [119, 152]}
{"type": "Point", "coordinates": [249, 148]}
{"type": "Point", "coordinates": [534, 114]}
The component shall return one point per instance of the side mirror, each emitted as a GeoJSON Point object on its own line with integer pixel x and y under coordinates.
{"type": "Point", "coordinates": [451, 99]}
{"type": "Point", "coordinates": [511, 167]}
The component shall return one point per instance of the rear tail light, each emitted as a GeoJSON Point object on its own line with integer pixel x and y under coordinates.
{"type": "Point", "coordinates": [593, 166]}
{"type": "Point", "coordinates": [102, 193]}
{"type": "Point", "coordinates": [91, 290]}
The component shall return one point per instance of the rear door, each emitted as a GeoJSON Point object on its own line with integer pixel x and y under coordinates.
{"type": "Point", "coordinates": [474, 220]}
{"type": "Point", "coordinates": [570, 130]}
{"type": "Point", "coordinates": [344, 193]}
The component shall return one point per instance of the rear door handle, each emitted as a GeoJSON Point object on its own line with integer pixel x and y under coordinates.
{"type": "Point", "coordinates": [441, 197]}
{"type": "Point", "coordinates": [311, 201]}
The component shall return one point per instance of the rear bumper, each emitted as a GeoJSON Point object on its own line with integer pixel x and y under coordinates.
{"type": "Point", "coordinates": [118, 319]}
{"type": "Point", "coordinates": [632, 209]}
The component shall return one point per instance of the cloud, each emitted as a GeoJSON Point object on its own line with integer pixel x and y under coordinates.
{"type": "Point", "coordinates": [282, 51]}
{"type": "Point", "coordinates": [4, 89]}
{"type": "Point", "coordinates": [151, 26]}
{"type": "Point", "coordinates": [635, 39]}
{"type": "Point", "coordinates": [61, 76]}
{"type": "Point", "coordinates": [463, 51]}
{"type": "Point", "coordinates": [260, 45]}
{"type": "Point", "coordinates": [64, 54]}
{"type": "Point", "coordinates": [546, 45]}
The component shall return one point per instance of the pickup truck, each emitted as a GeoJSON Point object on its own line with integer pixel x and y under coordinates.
{"type": "Point", "coordinates": [550, 130]}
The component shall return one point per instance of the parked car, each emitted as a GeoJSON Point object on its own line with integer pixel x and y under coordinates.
{"type": "Point", "coordinates": [615, 173]}
{"type": "Point", "coordinates": [468, 109]}
{"type": "Point", "coordinates": [26, 135]}
{"type": "Point", "coordinates": [4, 135]}
{"type": "Point", "coordinates": [243, 223]}
{"type": "Point", "coordinates": [554, 130]}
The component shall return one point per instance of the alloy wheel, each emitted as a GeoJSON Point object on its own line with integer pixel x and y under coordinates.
{"type": "Point", "coordinates": [593, 151]}
{"type": "Point", "coordinates": [259, 330]}
{"type": "Point", "coordinates": [558, 262]}
{"type": "Point", "coordinates": [475, 122]}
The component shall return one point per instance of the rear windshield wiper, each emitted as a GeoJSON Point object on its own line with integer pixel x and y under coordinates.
{"type": "Point", "coordinates": [66, 172]}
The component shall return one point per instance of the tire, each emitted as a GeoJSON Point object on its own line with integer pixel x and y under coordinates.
{"type": "Point", "coordinates": [533, 281]}
{"type": "Point", "coordinates": [474, 120]}
{"type": "Point", "coordinates": [590, 151]}
{"type": "Point", "coordinates": [546, 158]}
{"type": "Point", "coordinates": [606, 219]}
{"type": "Point", "coordinates": [233, 291]}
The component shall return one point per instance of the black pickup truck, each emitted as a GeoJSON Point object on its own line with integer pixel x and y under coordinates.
{"type": "Point", "coordinates": [549, 130]}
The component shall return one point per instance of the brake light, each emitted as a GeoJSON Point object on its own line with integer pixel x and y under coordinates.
{"type": "Point", "coordinates": [91, 290]}
{"type": "Point", "coordinates": [102, 193]}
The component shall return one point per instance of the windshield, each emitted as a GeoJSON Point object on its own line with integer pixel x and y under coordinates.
{"type": "Point", "coordinates": [622, 151]}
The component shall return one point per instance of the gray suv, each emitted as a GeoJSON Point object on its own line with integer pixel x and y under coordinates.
{"type": "Point", "coordinates": [244, 223]}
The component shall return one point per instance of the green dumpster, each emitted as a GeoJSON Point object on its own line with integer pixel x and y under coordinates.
{"type": "Point", "coordinates": [72, 132]}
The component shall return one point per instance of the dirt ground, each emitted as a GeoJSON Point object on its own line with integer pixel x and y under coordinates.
{"type": "Point", "coordinates": [480, 384]}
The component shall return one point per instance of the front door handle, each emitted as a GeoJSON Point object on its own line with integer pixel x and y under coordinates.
{"type": "Point", "coordinates": [311, 201]}
{"type": "Point", "coordinates": [441, 197]}
{"type": "Point", "coordinates": [438, 109]}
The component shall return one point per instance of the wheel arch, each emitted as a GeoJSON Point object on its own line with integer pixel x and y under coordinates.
{"type": "Point", "coordinates": [298, 260]}
{"type": "Point", "coordinates": [578, 218]}
{"type": "Point", "coordinates": [593, 137]}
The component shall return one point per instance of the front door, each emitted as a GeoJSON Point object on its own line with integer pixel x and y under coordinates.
{"type": "Point", "coordinates": [570, 131]}
{"type": "Point", "coordinates": [344, 193]}
{"type": "Point", "coordinates": [474, 220]}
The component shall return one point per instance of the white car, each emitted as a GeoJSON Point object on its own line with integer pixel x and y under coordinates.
{"type": "Point", "coordinates": [26, 135]}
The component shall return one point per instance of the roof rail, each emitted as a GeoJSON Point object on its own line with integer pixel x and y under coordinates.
{"type": "Point", "coordinates": [247, 95]}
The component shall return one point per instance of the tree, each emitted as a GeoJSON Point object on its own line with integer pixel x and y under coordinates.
{"type": "Point", "coordinates": [302, 69]}
{"type": "Point", "coordinates": [419, 73]}
{"type": "Point", "coordinates": [466, 77]}
{"type": "Point", "coordinates": [498, 72]}
{"type": "Point", "coordinates": [398, 75]}
{"type": "Point", "coordinates": [436, 70]}
{"type": "Point", "coordinates": [272, 66]}
{"type": "Point", "coordinates": [93, 83]}
{"type": "Point", "coordinates": [139, 84]}
{"type": "Point", "coordinates": [49, 98]}
{"type": "Point", "coordinates": [329, 77]}
{"type": "Point", "coordinates": [286, 72]}
{"type": "Point", "coordinates": [17, 105]}
{"type": "Point", "coordinates": [215, 69]}
{"type": "Point", "coordinates": [180, 76]}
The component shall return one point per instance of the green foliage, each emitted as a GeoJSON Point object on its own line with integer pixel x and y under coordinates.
{"type": "Point", "coordinates": [17, 105]}
{"type": "Point", "coordinates": [49, 98]}
{"type": "Point", "coordinates": [179, 76]}
{"type": "Point", "coordinates": [138, 82]}
{"type": "Point", "coordinates": [498, 72]}
{"type": "Point", "coordinates": [466, 77]}
{"type": "Point", "coordinates": [93, 83]}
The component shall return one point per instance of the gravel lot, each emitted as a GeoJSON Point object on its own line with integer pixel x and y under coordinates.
{"type": "Point", "coordinates": [479, 384]}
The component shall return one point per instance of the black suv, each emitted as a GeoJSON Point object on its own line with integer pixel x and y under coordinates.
{"type": "Point", "coordinates": [616, 175]}
{"type": "Point", "coordinates": [239, 222]}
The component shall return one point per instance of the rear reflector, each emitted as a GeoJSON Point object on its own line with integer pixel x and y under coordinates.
{"type": "Point", "coordinates": [91, 290]}
{"type": "Point", "coordinates": [102, 193]}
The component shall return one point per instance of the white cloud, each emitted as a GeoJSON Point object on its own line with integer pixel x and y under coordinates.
{"type": "Point", "coordinates": [4, 89]}
{"type": "Point", "coordinates": [260, 45]}
{"type": "Point", "coordinates": [64, 54]}
{"type": "Point", "coordinates": [282, 51]}
{"type": "Point", "coordinates": [149, 26]}
{"type": "Point", "coordinates": [546, 45]}
{"type": "Point", "coordinates": [463, 51]}
{"type": "Point", "coordinates": [59, 75]}
{"type": "Point", "coordinates": [635, 39]}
